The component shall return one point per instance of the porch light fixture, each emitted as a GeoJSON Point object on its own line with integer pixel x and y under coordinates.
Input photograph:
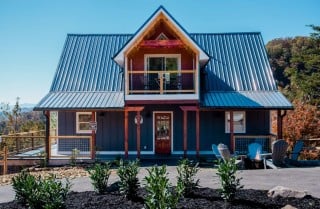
{"type": "Point", "coordinates": [138, 118]}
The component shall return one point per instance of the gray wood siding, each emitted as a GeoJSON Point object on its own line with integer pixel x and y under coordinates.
{"type": "Point", "coordinates": [110, 132]}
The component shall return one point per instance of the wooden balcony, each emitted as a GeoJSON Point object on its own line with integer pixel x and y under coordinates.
{"type": "Point", "coordinates": [161, 82]}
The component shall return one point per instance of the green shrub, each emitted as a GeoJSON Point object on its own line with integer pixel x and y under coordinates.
{"type": "Point", "coordinates": [186, 175]}
{"type": "Point", "coordinates": [160, 195]}
{"type": "Point", "coordinates": [40, 193]}
{"type": "Point", "coordinates": [229, 182]}
{"type": "Point", "coordinates": [99, 176]}
{"type": "Point", "coordinates": [23, 185]}
{"type": "Point", "coordinates": [129, 182]}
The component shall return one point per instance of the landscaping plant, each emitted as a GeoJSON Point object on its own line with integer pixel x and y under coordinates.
{"type": "Point", "coordinates": [129, 182]}
{"type": "Point", "coordinates": [23, 185]}
{"type": "Point", "coordinates": [40, 193]}
{"type": "Point", "coordinates": [160, 194]}
{"type": "Point", "coordinates": [74, 156]}
{"type": "Point", "coordinates": [229, 182]}
{"type": "Point", "coordinates": [99, 176]}
{"type": "Point", "coordinates": [186, 175]}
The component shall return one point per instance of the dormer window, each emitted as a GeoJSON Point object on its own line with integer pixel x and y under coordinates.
{"type": "Point", "coordinates": [162, 36]}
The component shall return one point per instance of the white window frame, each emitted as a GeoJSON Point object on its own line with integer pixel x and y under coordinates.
{"type": "Point", "coordinates": [235, 130]}
{"type": "Point", "coordinates": [78, 130]}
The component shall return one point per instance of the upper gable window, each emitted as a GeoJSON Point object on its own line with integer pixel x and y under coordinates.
{"type": "Point", "coordinates": [162, 36]}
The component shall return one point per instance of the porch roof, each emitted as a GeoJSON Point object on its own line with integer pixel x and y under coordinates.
{"type": "Point", "coordinates": [245, 99]}
{"type": "Point", "coordinates": [81, 100]}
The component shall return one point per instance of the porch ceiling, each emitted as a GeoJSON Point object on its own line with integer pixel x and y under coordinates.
{"type": "Point", "coordinates": [81, 100]}
{"type": "Point", "coordinates": [245, 99]}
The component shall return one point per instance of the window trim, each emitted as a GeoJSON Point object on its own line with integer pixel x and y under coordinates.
{"type": "Point", "coordinates": [78, 131]}
{"type": "Point", "coordinates": [227, 123]}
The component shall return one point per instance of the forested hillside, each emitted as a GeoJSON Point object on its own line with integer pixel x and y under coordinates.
{"type": "Point", "coordinates": [296, 66]}
{"type": "Point", "coordinates": [16, 119]}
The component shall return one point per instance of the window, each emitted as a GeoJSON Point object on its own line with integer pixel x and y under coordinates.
{"type": "Point", "coordinates": [167, 67]}
{"type": "Point", "coordinates": [239, 122]}
{"type": "Point", "coordinates": [82, 122]}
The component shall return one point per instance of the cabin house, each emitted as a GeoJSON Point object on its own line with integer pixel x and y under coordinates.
{"type": "Point", "coordinates": [161, 91]}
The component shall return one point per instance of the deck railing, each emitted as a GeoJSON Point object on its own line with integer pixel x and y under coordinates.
{"type": "Point", "coordinates": [161, 82]}
{"type": "Point", "coordinates": [3, 159]}
{"type": "Point", "coordinates": [64, 147]}
{"type": "Point", "coordinates": [241, 142]}
{"type": "Point", "coordinates": [23, 142]}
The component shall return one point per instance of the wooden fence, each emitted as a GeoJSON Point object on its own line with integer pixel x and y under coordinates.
{"type": "Point", "coordinates": [4, 159]}
{"type": "Point", "coordinates": [24, 142]}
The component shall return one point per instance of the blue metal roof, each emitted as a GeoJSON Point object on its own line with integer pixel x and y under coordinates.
{"type": "Point", "coordinates": [238, 73]}
{"type": "Point", "coordinates": [245, 100]}
{"type": "Point", "coordinates": [81, 100]}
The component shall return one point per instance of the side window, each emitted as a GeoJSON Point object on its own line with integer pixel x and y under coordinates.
{"type": "Point", "coordinates": [239, 122]}
{"type": "Point", "coordinates": [82, 122]}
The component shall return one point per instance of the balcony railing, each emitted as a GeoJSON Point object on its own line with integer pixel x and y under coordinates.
{"type": "Point", "coordinates": [161, 82]}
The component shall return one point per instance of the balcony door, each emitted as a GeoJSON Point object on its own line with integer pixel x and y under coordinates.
{"type": "Point", "coordinates": [162, 132]}
{"type": "Point", "coordinates": [162, 73]}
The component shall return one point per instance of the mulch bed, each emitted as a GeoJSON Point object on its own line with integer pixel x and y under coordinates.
{"type": "Point", "coordinates": [201, 198]}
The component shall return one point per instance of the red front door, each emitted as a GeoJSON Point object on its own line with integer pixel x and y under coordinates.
{"type": "Point", "coordinates": [162, 127]}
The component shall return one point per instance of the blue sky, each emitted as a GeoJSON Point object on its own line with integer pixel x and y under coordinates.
{"type": "Point", "coordinates": [32, 33]}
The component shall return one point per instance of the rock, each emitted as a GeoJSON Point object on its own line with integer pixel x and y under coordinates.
{"type": "Point", "coordinates": [289, 207]}
{"type": "Point", "coordinates": [286, 192]}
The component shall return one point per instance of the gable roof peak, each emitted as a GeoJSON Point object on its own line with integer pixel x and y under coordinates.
{"type": "Point", "coordinates": [119, 57]}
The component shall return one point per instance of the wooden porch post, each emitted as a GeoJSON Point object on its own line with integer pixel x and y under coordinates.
{"type": "Point", "coordinates": [47, 148]}
{"type": "Point", "coordinates": [279, 124]}
{"type": "Point", "coordinates": [126, 128]}
{"type": "Point", "coordinates": [231, 131]}
{"type": "Point", "coordinates": [126, 134]}
{"type": "Point", "coordinates": [138, 117]}
{"type": "Point", "coordinates": [93, 136]}
{"type": "Point", "coordinates": [197, 132]}
{"type": "Point", "coordinates": [185, 132]}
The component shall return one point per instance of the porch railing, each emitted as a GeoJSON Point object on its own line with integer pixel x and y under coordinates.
{"type": "Point", "coordinates": [241, 142]}
{"type": "Point", "coordinates": [24, 142]}
{"type": "Point", "coordinates": [3, 159]}
{"type": "Point", "coordinates": [161, 82]}
{"type": "Point", "coordinates": [64, 147]}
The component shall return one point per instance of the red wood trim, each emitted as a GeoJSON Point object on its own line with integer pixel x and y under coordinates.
{"type": "Point", "coordinates": [48, 143]}
{"type": "Point", "coordinates": [126, 133]}
{"type": "Point", "coordinates": [197, 132]}
{"type": "Point", "coordinates": [138, 134]}
{"type": "Point", "coordinates": [189, 108]}
{"type": "Point", "coordinates": [279, 124]}
{"type": "Point", "coordinates": [231, 131]}
{"type": "Point", "coordinates": [161, 43]}
{"type": "Point", "coordinates": [185, 136]}
{"type": "Point", "coordinates": [93, 135]}
{"type": "Point", "coordinates": [131, 109]}
{"type": "Point", "coordinates": [140, 102]}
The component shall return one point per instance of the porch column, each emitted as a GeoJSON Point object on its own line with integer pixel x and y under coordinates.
{"type": "Point", "coordinates": [126, 128]}
{"type": "Point", "coordinates": [47, 138]}
{"type": "Point", "coordinates": [93, 136]}
{"type": "Point", "coordinates": [185, 133]}
{"type": "Point", "coordinates": [126, 134]}
{"type": "Point", "coordinates": [231, 131]}
{"type": "Point", "coordinates": [280, 116]}
{"type": "Point", "coordinates": [138, 117]}
{"type": "Point", "coordinates": [197, 132]}
{"type": "Point", "coordinates": [185, 110]}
